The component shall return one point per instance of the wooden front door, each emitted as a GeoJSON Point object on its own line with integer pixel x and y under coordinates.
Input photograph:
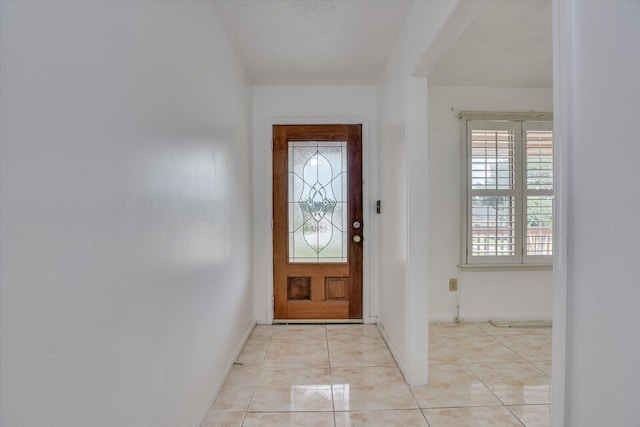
{"type": "Point", "coordinates": [317, 222]}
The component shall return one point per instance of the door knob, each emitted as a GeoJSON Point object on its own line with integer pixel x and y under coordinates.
{"type": "Point", "coordinates": [357, 239]}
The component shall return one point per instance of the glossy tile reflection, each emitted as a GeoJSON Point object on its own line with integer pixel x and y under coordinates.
{"type": "Point", "coordinates": [453, 385]}
{"type": "Point", "coordinates": [344, 375]}
{"type": "Point", "coordinates": [515, 383]}
{"type": "Point", "coordinates": [292, 389]}
{"type": "Point", "coordinates": [301, 397]}
{"type": "Point", "coordinates": [533, 415]}
{"type": "Point", "coordinates": [380, 387]}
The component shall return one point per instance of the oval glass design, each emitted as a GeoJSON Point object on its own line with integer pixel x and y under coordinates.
{"type": "Point", "coordinates": [317, 201]}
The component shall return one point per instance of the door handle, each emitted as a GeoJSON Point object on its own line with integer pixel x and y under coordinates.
{"type": "Point", "coordinates": [357, 238]}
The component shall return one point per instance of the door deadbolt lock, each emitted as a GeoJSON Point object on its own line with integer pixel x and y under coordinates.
{"type": "Point", "coordinates": [356, 224]}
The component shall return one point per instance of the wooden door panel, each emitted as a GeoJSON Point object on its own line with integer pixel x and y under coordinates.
{"type": "Point", "coordinates": [318, 310]}
{"type": "Point", "coordinates": [320, 275]}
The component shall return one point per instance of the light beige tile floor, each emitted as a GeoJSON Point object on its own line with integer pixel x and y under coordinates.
{"type": "Point", "coordinates": [344, 375]}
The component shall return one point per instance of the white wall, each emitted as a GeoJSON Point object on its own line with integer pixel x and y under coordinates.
{"type": "Point", "coordinates": [403, 189]}
{"type": "Point", "coordinates": [598, 64]}
{"type": "Point", "coordinates": [503, 295]}
{"type": "Point", "coordinates": [125, 214]}
{"type": "Point", "coordinates": [304, 105]}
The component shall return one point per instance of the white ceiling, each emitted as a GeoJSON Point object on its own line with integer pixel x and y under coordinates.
{"type": "Point", "coordinates": [508, 44]}
{"type": "Point", "coordinates": [292, 42]}
{"type": "Point", "coordinates": [313, 41]}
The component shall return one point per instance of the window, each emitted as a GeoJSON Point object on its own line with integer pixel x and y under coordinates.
{"type": "Point", "coordinates": [508, 194]}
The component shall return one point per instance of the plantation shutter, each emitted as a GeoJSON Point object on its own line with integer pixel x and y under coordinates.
{"type": "Point", "coordinates": [508, 190]}
{"type": "Point", "coordinates": [494, 151]}
{"type": "Point", "coordinates": [538, 191]}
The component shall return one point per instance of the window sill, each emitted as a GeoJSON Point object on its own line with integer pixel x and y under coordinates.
{"type": "Point", "coordinates": [505, 267]}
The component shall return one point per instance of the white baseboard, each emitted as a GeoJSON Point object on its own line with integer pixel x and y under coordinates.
{"type": "Point", "coordinates": [494, 316]}
{"type": "Point", "coordinates": [218, 386]}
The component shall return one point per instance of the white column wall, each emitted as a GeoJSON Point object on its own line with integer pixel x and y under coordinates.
{"type": "Point", "coordinates": [597, 92]}
{"type": "Point", "coordinates": [402, 151]}
{"type": "Point", "coordinates": [125, 213]}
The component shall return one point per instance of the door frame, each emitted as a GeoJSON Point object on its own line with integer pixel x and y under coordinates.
{"type": "Point", "coordinates": [369, 243]}
{"type": "Point", "coordinates": [319, 306]}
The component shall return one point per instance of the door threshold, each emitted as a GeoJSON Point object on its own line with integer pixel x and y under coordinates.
{"type": "Point", "coordinates": [314, 321]}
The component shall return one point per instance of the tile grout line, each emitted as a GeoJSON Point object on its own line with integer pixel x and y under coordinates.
{"type": "Point", "coordinates": [253, 389]}
{"type": "Point", "coordinates": [530, 362]}
{"type": "Point", "coordinates": [333, 400]}
{"type": "Point", "coordinates": [504, 405]}
{"type": "Point", "coordinates": [418, 404]}
{"type": "Point", "coordinates": [533, 362]}
{"type": "Point", "coordinates": [468, 366]}
{"type": "Point", "coordinates": [516, 352]}
{"type": "Point", "coordinates": [516, 417]}
{"type": "Point", "coordinates": [492, 392]}
{"type": "Point", "coordinates": [466, 363]}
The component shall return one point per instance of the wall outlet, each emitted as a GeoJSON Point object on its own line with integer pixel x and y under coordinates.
{"type": "Point", "coordinates": [453, 285]}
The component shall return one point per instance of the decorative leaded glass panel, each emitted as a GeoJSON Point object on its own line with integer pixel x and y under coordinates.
{"type": "Point", "coordinates": [317, 201]}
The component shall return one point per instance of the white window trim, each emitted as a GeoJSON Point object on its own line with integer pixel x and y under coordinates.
{"type": "Point", "coordinates": [521, 262]}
